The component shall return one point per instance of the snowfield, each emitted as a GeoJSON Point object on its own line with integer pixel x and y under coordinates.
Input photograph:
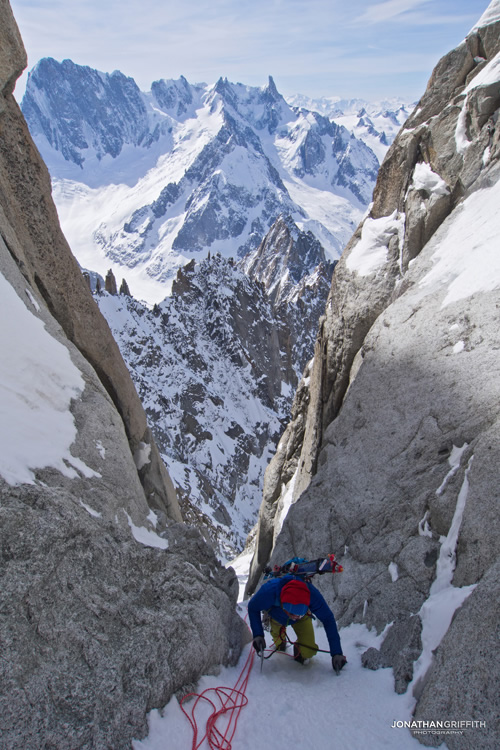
{"type": "Point", "coordinates": [292, 705]}
{"type": "Point", "coordinates": [303, 706]}
{"type": "Point", "coordinates": [466, 260]}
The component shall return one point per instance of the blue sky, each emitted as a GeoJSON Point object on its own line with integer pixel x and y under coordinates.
{"type": "Point", "coordinates": [347, 48]}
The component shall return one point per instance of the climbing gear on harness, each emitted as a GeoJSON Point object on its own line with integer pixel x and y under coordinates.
{"type": "Point", "coordinates": [304, 569]}
{"type": "Point", "coordinates": [282, 634]}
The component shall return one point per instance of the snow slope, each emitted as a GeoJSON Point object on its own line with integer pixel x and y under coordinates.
{"type": "Point", "coordinates": [38, 380]}
{"type": "Point", "coordinates": [291, 705]}
{"type": "Point", "coordinates": [308, 706]}
{"type": "Point", "coordinates": [490, 15]}
{"type": "Point", "coordinates": [467, 260]}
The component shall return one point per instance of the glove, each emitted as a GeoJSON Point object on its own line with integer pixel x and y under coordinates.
{"type": "Point", "coordinates": [338, 662]}
{"type": "Point", "coordinates": [259, 643]}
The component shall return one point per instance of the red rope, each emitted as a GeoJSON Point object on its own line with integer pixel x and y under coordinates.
{"type": "Point", "coordinates": [232, 700]}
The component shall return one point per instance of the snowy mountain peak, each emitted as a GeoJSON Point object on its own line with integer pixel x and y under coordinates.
{"type": "Point", "coordinates": [147, 181]}
{"type": "Point", "coordinates": [176, 97]}
{"type": "Point", "coordinates": [226, 90]}
{"type": "Point", "coordinates": [285, 257]}
{"type": "Point", "coordinates": [263, 108]}
{"type": "Point", "coordinates": [98, 112]}
{"type": "Point", "coordinates": [272, 91]}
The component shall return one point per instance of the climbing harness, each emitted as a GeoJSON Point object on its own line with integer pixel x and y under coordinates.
{"type": "Point", "coordinates": [293, 643]}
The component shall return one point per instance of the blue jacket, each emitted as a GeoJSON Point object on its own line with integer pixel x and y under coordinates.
{"type": "Point", "coordinates": [268, 598]}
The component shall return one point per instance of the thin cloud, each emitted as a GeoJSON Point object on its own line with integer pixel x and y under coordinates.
{"type": "Point", "coordinates": [424, 19]}
{"type": "Point", "coordinates": [388, 11]}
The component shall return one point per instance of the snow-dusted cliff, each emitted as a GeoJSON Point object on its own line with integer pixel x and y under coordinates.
{"type": "Point", "coordinates": [100, 581]}
{"type": "Point", "coordinates": [390, 458]}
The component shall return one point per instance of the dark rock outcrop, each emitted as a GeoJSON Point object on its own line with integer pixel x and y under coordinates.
{"type": "Point", "coordinates": [400, 649]}
{"type": "Point", "coordinates": [292, 266]}
{"type": "Point", "coordinates": [284, 258]}
{"type": "Point", "coordinates": [110, 283]}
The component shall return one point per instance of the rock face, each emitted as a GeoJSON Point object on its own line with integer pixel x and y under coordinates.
{"type": "Point", "coordinates": [109, 108]}
{"type": "Point", "coordinates": [98, 629]}
{"type": "Point", "coordinates": [108, 602]}
{"type": "Point", "coordinates": [296, 275]}
{"type": "Point", "coordinates": [394, 439]}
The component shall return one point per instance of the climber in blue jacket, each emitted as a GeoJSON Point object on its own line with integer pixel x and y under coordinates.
{"type": "Point", "coordinates": [289, 601]}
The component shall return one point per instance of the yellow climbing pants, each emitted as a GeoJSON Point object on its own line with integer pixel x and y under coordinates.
{"type": "Point", "coordinates": [303, 630]}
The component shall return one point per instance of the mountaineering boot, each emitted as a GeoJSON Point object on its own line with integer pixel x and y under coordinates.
{"type": "Point", "coordinates": [297, 655]}
{"type": "Point", "coordinates": [278, 633]}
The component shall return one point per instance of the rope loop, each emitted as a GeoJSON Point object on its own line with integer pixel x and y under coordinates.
{"type": "Point", "coordinates": [230, 702]}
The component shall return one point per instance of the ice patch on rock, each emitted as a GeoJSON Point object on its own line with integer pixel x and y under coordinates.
{"type": "Point", "coordinates": [147, 537]}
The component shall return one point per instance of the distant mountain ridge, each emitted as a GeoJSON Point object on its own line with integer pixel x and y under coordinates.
{"type": "Point", "coordinates": [375, 123]}
{"type": "Point", "coordinates": [147, 181]}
